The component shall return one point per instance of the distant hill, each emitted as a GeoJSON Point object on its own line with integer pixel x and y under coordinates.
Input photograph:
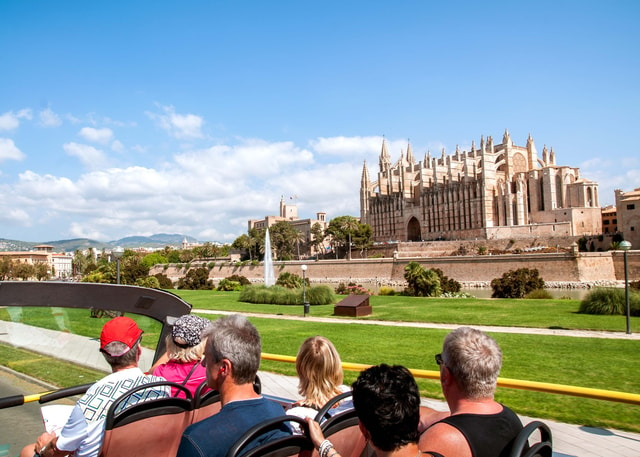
{"type": "Point", "coordinates": [154, 241]}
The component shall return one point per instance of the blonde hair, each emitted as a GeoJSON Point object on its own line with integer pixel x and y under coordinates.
{"type": "Point", "coordinates": [182, 354]}
{"type": "Point", "coordinates": [319, 370]}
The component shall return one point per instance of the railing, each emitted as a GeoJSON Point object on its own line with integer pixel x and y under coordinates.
{"type": "Point", "coordinates": [586, 392]}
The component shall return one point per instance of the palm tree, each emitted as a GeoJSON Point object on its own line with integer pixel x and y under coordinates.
{"type": "Point", "coordinates": [349, 225]}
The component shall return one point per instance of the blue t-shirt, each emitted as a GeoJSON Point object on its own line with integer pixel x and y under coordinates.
{"type": "Point", "coordinates": [214, 436]}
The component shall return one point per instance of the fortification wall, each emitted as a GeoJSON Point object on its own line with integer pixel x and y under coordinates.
{"type": "Point", "coordinates": [553, 267]}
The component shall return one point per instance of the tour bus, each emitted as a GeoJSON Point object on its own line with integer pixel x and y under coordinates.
{"type": "Point", "coordinates": [60, 323]}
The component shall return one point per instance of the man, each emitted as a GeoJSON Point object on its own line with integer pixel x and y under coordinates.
{"type": "Point", "coordinates": [387, 402]}
{"type": "Point", "coordinates": [83, 433]}
{"type": "Point", "coordinates": [232, 358]}
{"type": "Point", "coordinates": [478, 425]}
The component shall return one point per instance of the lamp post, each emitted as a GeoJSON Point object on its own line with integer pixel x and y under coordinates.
{"type": "Point", "coordinates": [305, 305]}
{"type": "Point", "coordinates": [117, 253]}
{"type": "Point", "coordinates": [625, 246]}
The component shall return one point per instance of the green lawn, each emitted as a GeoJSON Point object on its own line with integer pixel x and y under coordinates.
{"type": "Point", "coordinates": [555, 313]}
{"type": "Point", "coordinates": [587, 362]}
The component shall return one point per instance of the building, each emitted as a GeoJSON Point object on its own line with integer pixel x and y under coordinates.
{"type": "Point", "coordinates": [628, 209]}
{"type": "Point", "coordinates": [496, 191]}
{"type": "Point", "coordinates": [289, 214]}
{"type": "Point", "coordinates": [609, 219]}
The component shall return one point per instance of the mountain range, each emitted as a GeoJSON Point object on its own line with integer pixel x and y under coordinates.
{"type": "Point", "coordinates": [159, 240]}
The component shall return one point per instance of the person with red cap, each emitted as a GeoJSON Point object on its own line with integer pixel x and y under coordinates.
{"type": "Point", "coordinates": [82, 434]}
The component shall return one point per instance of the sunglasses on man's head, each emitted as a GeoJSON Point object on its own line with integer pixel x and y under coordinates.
{"type": "Point", "coordinates": [439, 360]}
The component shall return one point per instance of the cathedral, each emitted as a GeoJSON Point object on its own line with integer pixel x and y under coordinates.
{"type": "Point", "coordinates": [496, 191]}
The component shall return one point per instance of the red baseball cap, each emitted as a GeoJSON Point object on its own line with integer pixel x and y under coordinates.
{"type": "Point", "coordinates": [122, 329]}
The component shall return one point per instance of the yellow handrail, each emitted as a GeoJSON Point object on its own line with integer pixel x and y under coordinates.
{"type": "Point", "coordinates": [586, 392]}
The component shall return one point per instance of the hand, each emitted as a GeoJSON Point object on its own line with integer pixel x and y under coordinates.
{"type": "Point", "coordinates": [43, 440]}
{"type": "Point", "coordinates": [315, 433]}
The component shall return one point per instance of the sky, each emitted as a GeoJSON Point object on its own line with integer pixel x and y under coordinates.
{"type": "Point", "coordinates": [127, 118]}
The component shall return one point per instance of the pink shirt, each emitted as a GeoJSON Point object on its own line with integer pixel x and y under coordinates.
{"type": "Point", "coordinates": [177, 372]}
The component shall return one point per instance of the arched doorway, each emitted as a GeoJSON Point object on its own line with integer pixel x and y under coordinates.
{"type": "Point", "coordinates": [413, 230]}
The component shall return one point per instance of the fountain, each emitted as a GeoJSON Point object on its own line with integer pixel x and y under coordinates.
{"type": "Point", "coordinates": [269, 277]}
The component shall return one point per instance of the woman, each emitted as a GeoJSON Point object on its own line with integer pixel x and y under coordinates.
{"type": "Point", "coordinates": [320, 373]}
{"type": "Point", "coordinates": [185, 350]}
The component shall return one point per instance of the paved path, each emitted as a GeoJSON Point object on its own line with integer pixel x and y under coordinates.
{"type": "Point", "coordinates": [569, 440]}
{"type": "Point", "coordinates": [485, 328]}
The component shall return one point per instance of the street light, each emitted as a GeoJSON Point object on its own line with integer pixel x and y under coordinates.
{"type": "Point", "coordinates": [625, 246]}
{"type": "Point", "coordinates": [304, 291]}
{"type": "Point", "coordinates": [117, 253]}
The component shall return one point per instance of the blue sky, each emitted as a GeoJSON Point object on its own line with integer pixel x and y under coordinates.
{"type": "Point", "coordinates": [138, 117]}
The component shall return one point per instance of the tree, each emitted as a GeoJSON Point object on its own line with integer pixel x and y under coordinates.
{"type": "Point", "coordinates": [243, 243]}
{"type": "Point", "coordinates": [6, 268]}
{"type": "Point", "coordinates": [363, 239]}
{"type": "Point", "coordinates": [299, 238]}
{"type": "Point", "coordinates": [283, 239]}
{"type": "Point", "coordinates": [41, 270]}
{"type": "Point", "coordinates": [196, 279]}
{"type": "Point", "coordinates": [23, 271]}
{"type": "Point", "coordinates": [163, 281]}
{"type": "Point", "coordinates": [155, 258]}
{"type": "Point", "coordinates": [421, 282]}
{"type": "Point", "coordinates": [516, 283]}
{"type": "Point", "coordinates": [317, 237]}
{"type": "Point", "coordinates": [349, 225]}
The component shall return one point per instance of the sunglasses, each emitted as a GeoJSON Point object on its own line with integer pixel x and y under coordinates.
{"type": "Point", "coordinates": [439, 360]}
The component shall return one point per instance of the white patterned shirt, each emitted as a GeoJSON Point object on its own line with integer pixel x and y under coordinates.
{"type": "Point", "coordinates": [83, 432]}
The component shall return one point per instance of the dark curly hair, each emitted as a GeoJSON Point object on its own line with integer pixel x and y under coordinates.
{"type": "Point", "coordinates": [387, 402]}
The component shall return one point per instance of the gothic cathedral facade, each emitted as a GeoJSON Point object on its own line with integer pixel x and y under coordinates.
{"type": "Point", "coordinates": [498, 191]}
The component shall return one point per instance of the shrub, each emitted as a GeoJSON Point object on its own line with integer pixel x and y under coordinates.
{"type": "Point", "coordinates": [635, 285]}
{"type": "Point", "coordinates": [539, 294]}
{"type": "Point", "coordinates": [448, 285]}
{"type": "Point", "coordinates": [516, 283]}
{"type": "Point", "coordinates": [320, 295]}
{"type": "Point", "coordinates": [386, 291]}
{"type": "Point", "coordinates": [421, 282]}
{"type": "Point", "coordinates": [358, 290]}
{"type": "Point", "coordinates": [290, 280]}
{"type": "Point", "coordinates": [239, 278]}
{"type": "Point", "coordinates": [164, 281]}
{"type": "Point", "coordinates": [342, 288]}
{"type": "Point", "coordinates": [227, 285]}
{"type": "Point", "coordinates": [609, 301]}
{"type": "Point", "coordinates": [278, 295]}
{"type": "Point", "coordinates": [196, 279]}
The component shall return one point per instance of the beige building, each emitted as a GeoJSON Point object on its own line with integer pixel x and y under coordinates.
{"type": "Point", "coordinates": [609, 219]}
{"type": "Point", "coordinates": [628, 209]}
{"type": "Point", "coordinates": [496, 191]}
{"type": "Point", "coordinates": [289, 214]}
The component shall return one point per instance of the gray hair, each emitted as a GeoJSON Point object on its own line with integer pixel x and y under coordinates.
{"type": "Point", "coordinates": [474, 359]}
{"type": "Point", "coordinates": [128, 358]}
{"type": "Point", "coordinates": [236, 339]}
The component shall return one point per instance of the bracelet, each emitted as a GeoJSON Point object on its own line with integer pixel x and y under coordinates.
{"type": "Point", "coordinates": [324, 448]}
{"type": "Point", "coordinates": [333, 453]}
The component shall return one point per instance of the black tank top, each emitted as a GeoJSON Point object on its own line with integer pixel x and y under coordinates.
{"type": "Point", "coordinates": [488, 435]}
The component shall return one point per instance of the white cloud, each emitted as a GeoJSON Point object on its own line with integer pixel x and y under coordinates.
{"type": "Point", "coordinates": [11, 120]}
{"type": "Point", "coordinates": [180, 126]}
{"type": "Point", "coordinates": [102, 136]}
{"type": "Point", "coordinates": [9, 151]}
{"type": "Point", "coordinates": [91, 157]}
{"type": "Point", "coordinates": [346, 146]}
{"type": "Point", "coordinates": [50, 119]}
{"type": "Point", "coordinates": [117, 146]}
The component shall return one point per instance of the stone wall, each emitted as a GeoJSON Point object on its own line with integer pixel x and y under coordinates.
{"type": "Point", "coordinates": [593, 267]}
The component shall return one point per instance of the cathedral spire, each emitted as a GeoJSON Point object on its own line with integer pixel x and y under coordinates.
{"type": "Point", "coordinates": [410, 157]}
{"type": "Point", "coordinates": [385, 158]}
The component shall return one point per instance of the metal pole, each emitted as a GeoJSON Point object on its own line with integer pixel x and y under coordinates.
{"type": "Point", "coordinates": [117, 270]}
{"type": "Point", "coordinates": [305, 305]}
{"type": "Point", "coordinates": [626, 293]}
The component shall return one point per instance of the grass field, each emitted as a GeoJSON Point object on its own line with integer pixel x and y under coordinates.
{"type": "Point", "coordinates": [586, 362]}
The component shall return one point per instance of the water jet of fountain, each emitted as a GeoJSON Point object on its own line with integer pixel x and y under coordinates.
{"type": "Point", "coordinates": [269, 277]}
